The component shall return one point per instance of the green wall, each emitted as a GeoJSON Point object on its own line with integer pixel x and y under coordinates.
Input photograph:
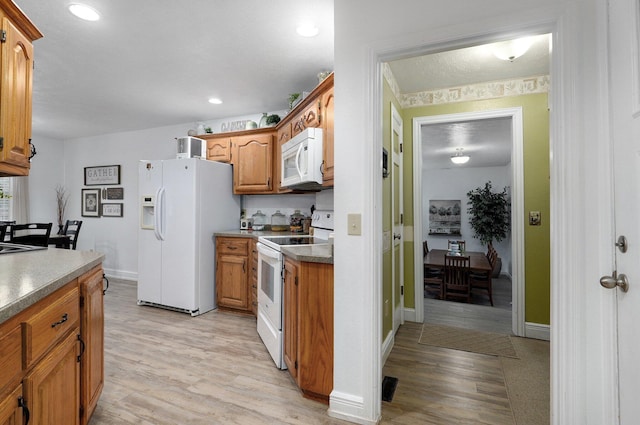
{"type": "Point", "coordinates": [536, 193]}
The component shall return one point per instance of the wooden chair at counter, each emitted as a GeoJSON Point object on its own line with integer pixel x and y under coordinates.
{"type": "Point", "coordinates": [31, 234]}
{"type": "Point", "coordinates": [456, 277]}
{"type": "Point", "coordinates": [72, 229]}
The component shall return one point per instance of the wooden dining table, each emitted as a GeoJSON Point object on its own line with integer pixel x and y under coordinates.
{"type": "Point", "coordinates": [478, 261]}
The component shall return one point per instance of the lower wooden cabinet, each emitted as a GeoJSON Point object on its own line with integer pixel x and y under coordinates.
{"type": "Point", "coordinates": [12, 408]}
{"type": "Point", "coordinates": [92, 332]}
{"type": "Point", "coordinates": [308, 326]}
{"type": "Point", "coordinates": [52, 388]}
{"type": "Point", "coordinates": [232, 273]}
{"type": "Point", "coordinates": [52, 356]}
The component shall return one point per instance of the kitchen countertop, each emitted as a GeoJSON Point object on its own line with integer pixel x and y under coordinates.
{"type": "Point", "coordinates": [307, 253]}
{"type": "Point", "coordinates": [27, 277]}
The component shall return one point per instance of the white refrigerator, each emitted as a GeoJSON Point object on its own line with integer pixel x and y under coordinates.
{"type": "Point", "coordinates": [183, 202]}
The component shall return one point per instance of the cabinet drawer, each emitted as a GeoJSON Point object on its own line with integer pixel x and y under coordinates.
{"type": "Point", "coordinates": [44, 329]}
{"type": "Point", "coordinates": [10, 356]}
{"type": "Point", "coordinates": [233, 246]}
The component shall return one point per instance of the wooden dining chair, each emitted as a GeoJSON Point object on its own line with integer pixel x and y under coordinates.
{"type": "Point", "coordinates": [31, 233]}
{"type": "Point", "coordinates": [434, 284]}
{"type": "Point", "coordinates": [461, 244]}
{"type": "Point", "coordinates": [482, 281]}
{"type": "Point", "coordinates": [456, 277]}
{"type": "Point", "coordinates": [429, 271]}
{"type": "Point", "coordinates": [72, 229]}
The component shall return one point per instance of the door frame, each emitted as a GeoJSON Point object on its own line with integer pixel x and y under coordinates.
{"type": "Point", "coordinates": [517, 205]}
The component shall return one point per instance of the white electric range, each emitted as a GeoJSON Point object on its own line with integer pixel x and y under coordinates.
{"type": "Point", "coordinates": [271, 279]}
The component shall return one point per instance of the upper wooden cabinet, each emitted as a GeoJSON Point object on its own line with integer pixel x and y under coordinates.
{"type": "Point", "coordinates": [16, 67]}
{"type": "Point", "coordinates": [327, 145]}
{"type": "Point", "coordinates": [253, 165]}
{"type": "Point", "coordinates": [219, 149]}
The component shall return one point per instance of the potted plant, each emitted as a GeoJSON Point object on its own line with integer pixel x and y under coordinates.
{"type": "Point", "coordinates": [61, 197]}
{"type": "Point", "coordinates": [272, 120]}
{"type": "Point", "coordinates": [490, 216]}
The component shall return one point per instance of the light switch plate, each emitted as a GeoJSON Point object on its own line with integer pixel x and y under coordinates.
{"type": "Point", "coordinates": [534, 218]}
{"type": "Point", "coordinates": [354, 224]}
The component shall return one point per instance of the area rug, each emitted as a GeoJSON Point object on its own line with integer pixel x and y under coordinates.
{"type": "Point", "coordinates": [467, 340]}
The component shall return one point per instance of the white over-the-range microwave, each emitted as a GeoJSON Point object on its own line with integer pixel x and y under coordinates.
{"type": "Point", "coordinates": [302, 160]}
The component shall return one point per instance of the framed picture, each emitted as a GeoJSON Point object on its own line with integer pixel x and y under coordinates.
{"type": "Point", "coordinates": [113, 193]}
{"type": "Point", "coordinates": [90, 202]}
{"type": "Point", "coordinates": [444, 217]}
{"type": "Point", "coordinates": [102, 175]}
{"type": "Point", "coordinates": [111, 210]}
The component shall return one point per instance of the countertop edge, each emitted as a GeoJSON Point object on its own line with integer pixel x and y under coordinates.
{"type": "Point", "coordinates": [26, 301]}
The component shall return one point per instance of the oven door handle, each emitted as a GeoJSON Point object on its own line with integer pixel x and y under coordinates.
{"type": "Point", "coordinates": [268, 252]}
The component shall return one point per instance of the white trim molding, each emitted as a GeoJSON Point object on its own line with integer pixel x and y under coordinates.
{"type": "Point", "coordinates": [537, 331]}
{"type": "Point", "coordinates": [387, 346]}
{"type": "Point", "coordinates": [517, 205]}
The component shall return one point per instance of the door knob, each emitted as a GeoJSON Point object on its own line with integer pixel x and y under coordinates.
{"type": "Point", "coordinates": [611, 282]}
{"type": "Point", "coordinates": [396, 236]}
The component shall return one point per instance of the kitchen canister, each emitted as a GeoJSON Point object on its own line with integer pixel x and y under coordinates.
{"type": "Point", "coordinates": [295, 222]}
{"type": "Point", "coordinates": [259, 220]}
{"type": "Point", "coordinates": [279, 222]}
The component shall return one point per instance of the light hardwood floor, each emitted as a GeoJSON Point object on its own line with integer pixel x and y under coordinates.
{"type": "Point", "coordinates": [163, 367]}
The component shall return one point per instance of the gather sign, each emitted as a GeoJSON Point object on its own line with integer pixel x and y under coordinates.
{"type": "Point", "coordinates": [102, 175]}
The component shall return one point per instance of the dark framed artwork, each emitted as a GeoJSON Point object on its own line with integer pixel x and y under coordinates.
{"type": "Point", "coordinates": [113, 193]}
{"type": "Point", "coordinates": [102, 175]}
{"type": "Point", "coordinates": [444, 217]}
{"type": "Point", "coordinates": [90, 202]}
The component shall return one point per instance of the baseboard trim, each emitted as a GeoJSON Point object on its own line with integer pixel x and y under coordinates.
{"type": "Point", "coordinates": [537, 331]}
{"type": "Point", "coordinates": [387, 346]}
{"type": "Point", "coordinates": [410, 314]}
{"type": "Point", "coordinates": [348, 407]}
{"type": "Point", "coordinates": [120, 274]}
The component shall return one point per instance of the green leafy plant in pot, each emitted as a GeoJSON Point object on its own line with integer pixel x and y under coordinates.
{"type": "Point", "coordinates": [490, 216]}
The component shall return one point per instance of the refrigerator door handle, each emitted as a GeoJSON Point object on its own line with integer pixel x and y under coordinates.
{"type": "Point", "coordinates": [159, 214]}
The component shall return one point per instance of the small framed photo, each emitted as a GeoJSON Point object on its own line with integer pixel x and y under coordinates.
{"type": "Point", "coordinates": [90, 202]}
{"type": "Point", "coordinates": [113, 193]}
{"type": "Point", "coordinates": [102, 175]}
{"type": "Point", "coordinates": [111, 210]}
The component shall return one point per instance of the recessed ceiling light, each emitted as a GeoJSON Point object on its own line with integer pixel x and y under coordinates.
{"type": "Point", "coordinates": [215, 101]}
{"type": "Point", "coordinates": [83, 11]}
{"type": "Point", "coordinates": [307, 29]}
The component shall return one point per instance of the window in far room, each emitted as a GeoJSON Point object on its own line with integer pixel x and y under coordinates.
{"type": "Point", "coordinates": [5, 199]}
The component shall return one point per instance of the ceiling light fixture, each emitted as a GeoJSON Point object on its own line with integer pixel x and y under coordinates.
{"type": "Point", "coordinates": [215, 101]}
{"type": "Point", "coordinates": [459, 158]}
{"type": "Point", "coordinates": [83, 11]}
{"type": "Point", "coordinates": [307, 29]}
{"type": "Point", "coordinates": [512, 49]}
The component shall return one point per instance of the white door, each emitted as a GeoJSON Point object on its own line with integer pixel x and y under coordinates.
{"type": "Point", "coordinates": [624, 65]}
{"type": "Point", "coordinates": [397, 219]}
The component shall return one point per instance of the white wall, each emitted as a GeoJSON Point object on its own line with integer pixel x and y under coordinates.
{"type": "Point", "coordinates": [454, 183]}
{"type": "Point", "coordinates": [47, 171]}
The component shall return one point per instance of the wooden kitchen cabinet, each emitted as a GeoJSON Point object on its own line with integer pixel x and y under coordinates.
{"type": "Point", "coordinates": [16, 69]}
{"type": "Point", "coordinates": [327, 134]}
{"type": "Point", "coordinates": [253, 168]}
{"type": "Point", "coordinates": [219, 149]}
{"type": "Point", "coordinates": [308, 326]}
{"type": "Point", "coordinates": [11, 410]}
{"type": "Point", "coordinates": [52, 356]}
{"type": "Point", "coordinates": [52, 388]}
{"type": "Point", "coordinates": [92, 332]}
{"type": "Point", "coordinates": [232, 274]}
